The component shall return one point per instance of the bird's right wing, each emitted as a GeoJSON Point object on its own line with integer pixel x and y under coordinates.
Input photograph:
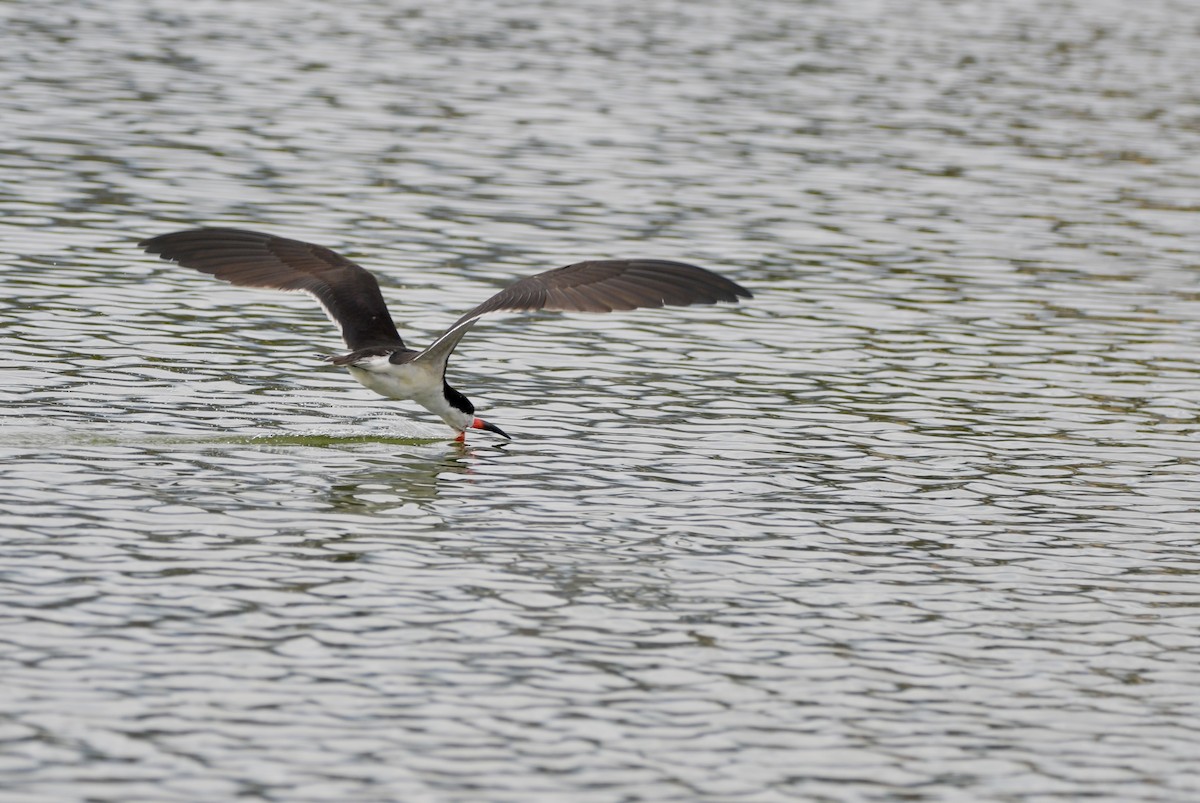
{"type": "Point", "coordinates": [597, 286]}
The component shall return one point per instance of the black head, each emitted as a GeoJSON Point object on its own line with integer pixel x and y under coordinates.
{"type": "Point", "coordinates": [463, 404]}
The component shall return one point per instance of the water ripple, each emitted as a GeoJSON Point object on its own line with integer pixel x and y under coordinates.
{"type": "Point", "coordinates": [918, 521]}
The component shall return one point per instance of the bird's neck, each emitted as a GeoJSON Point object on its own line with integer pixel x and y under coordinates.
{"type": "Point", "coordinates": [459, 413]}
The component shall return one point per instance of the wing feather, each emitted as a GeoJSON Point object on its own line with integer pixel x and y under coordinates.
{"type": "Point", "coordinates": [349, 293]}
{"type": "Point", "coordinates": [597, 286]}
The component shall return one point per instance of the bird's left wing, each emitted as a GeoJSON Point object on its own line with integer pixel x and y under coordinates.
{"type": "Point", "coordinates": [596, 286]}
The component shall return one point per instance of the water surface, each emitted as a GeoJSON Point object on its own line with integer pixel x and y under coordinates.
{"type": "Point", "coordinates": [918, 522]}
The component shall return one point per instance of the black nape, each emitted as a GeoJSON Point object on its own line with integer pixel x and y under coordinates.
{"type": "Point", "coordinates": [457, 400]}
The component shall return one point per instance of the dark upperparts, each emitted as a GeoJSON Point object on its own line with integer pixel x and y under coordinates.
{"type": "Point", "coordinates": [397, 355]}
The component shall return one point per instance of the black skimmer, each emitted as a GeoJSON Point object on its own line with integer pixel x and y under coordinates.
{"type": "Point", "coordinates": [378, 357]}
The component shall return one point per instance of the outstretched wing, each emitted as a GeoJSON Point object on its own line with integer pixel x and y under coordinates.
{"type": "Point", "coordinates": [599, 286]}
{"type": "Point", "coordinates": [348, 292]}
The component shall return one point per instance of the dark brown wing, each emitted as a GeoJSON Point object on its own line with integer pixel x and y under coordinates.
{"type": "Point", "coordinates": [348, 292]}
{"type": "Point", "coordinates": [600, 286]}
{"type": "Point", "coordinates": [613, 284]}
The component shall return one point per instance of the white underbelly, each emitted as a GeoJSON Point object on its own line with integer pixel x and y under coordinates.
{"type": "Point", "coordinates": [419, 382]}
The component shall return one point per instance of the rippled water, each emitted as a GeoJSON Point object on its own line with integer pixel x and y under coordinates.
{"type": "Point", "coordinates": [919, 522]}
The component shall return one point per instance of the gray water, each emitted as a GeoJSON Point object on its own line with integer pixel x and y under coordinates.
{"type": "Point", "coordinates": [919, 522]}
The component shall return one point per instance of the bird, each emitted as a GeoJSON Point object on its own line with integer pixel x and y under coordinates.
{"type": "Point", "coordinates": [378, 357]}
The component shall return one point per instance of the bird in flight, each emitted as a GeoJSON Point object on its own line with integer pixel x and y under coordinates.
{"type": "Point", "coordinates": [378, 357]}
